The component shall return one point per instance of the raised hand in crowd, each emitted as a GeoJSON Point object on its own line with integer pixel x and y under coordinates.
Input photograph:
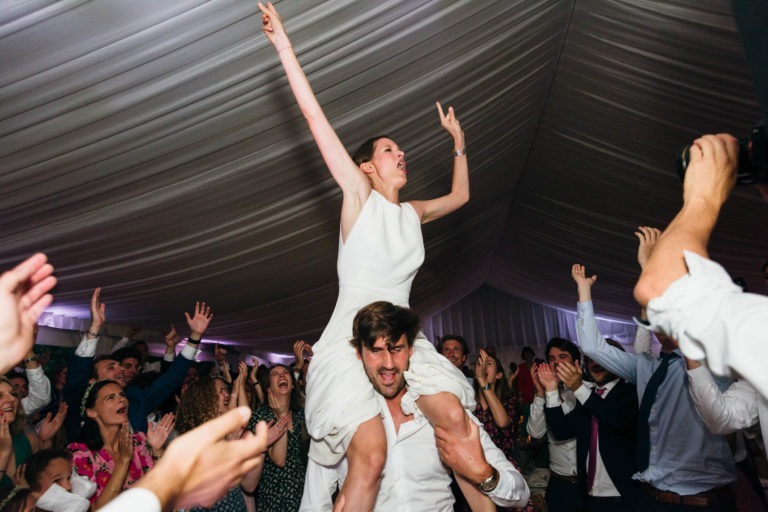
{"type": "Point", "coordinates": [547, 377]}
{"type": "Point", "coordinates": [201, 466]}
{"type": "Point", "coordinates": [6, 445]}
{"type": "Point", "coordinates": [98, 315]}
{"type": "Point", "coordinates": [239, 395]}
{"type": "Point", "coordinates": [583, 283]}
{"type": "Point", "coordinates": [157, 433]}
{"type": "Point", "coordinates": [23, 297]}
{"type": "Point", "coordinates": [199, 321]}
{"type": "Point", "coordinates": [255, 384]}
{"type": "Point", "coordinates": [220, 356]}
{"type": "Point", "coordinates": [301, 347]}
{"type": "Point", "coordinates": [51, 425]}
{"type": "Point", "coordinates": [171, 340]}
{"type": "Point", "coordinates": [648, 237]}
{"type": "Point", "coordinates": [538, 386]}
{"type": "Point", "coordinates": [570, 374]}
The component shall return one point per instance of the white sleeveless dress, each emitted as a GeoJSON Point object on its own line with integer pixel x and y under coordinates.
{"type": "Point", "coordinates": [379, 260]}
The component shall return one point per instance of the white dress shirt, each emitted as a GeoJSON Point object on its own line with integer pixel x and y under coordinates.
{"type": "Point", "coordinates": [602, 485]}
{"type": "Point", "coordinates": [39, 391]}
{"type": "Point", "coordinates": [713, 320]}
{"type": "Point", "coordinates": [414, 478]}
{"type": "Point", "coordinates": [736, 408]}
{"type": "Point", "coordinates": [562, 454]}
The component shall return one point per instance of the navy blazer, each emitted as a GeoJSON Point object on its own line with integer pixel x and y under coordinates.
{"type": "Point", "coordinates": [617, 431]}
{"type": "Point", "coordinates": [141, 401]}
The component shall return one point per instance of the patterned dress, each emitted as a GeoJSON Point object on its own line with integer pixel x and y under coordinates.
{"type": "Point", "coordinates": [98, 466]}
{"type": "Point", "coordinates": [232, 502]}
{"type": "Point", "coordinates": [280, 489]}
{"type": "Point", "coordinates": [504, 438]}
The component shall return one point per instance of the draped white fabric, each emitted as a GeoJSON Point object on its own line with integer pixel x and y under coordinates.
{"type": "Point", "coordinates": [154, 149]}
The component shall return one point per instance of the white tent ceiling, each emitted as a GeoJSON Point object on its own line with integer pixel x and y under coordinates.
{"type": "Point", "coordinates": [154, 149]}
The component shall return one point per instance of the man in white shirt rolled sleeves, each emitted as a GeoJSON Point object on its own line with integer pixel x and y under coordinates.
{"type": "Point", "coordinates": [414, 476]}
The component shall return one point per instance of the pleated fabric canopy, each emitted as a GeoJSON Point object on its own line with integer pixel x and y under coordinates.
{"type": "Point", "coordinates": [154, 149]}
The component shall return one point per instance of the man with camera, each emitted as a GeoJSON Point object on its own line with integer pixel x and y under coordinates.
{"type": "Point", "coordinates": [692, 298]}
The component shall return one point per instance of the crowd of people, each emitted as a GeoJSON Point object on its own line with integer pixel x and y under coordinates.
{"type": "Point", "coordinates": [373, 416]}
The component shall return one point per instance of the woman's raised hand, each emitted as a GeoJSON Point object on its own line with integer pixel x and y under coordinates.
{"type": "Point", "coordinates": [451, 125]}
{"type": "Point", "coordinates": [480, 374]}
{"type": "Point", "coordinates": [157, 433]}
{"type": "Point", "coordinates": [272, 26]}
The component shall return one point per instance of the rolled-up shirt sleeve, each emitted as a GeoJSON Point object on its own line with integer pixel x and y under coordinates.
{"type": "Point", "coordinates": [39, 391]}
{"type": "Point", "coordinates": [722, 412]}
{"type": "Point", "coordinates": [714, 321]}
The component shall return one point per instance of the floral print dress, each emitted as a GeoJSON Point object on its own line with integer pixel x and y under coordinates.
{"type": "Point", "coordinates": [97, 466]}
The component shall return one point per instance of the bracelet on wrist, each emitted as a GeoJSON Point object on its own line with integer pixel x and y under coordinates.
{"type": "Point", "coordinates": [486, 387]}
{"type": "Point", "coordinates": [93, 334]}
{"type": "Point", "coordinates": [192, 340]}
{"type": "Point", "coordinates": [460, 152]}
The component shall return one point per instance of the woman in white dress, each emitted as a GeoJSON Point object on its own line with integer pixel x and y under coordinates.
{"type": "Point", "coordinates": [380, 251]}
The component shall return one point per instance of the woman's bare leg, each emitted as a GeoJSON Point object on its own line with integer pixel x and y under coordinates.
{"type": "Point", "coordinates": [366, 456]}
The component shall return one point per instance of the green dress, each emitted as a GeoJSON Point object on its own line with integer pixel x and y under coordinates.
{"type": "Point", "coordinates": [280, 489]}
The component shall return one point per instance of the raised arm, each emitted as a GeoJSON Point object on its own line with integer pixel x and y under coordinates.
{"type": "Point", "coordinates": [23, 297]}
{"type": "Point", "coordinates": [352, 182]}
{"type": "Point", "coordinates": [708, 182]}
{"type": "Point", "coordinates": [433, 209]}
{"type": "Point", "coordinates": [591, 339]}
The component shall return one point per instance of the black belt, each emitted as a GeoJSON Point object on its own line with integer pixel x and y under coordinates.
{"type": "Point", "coordinates": [717, 496]}
{"type": "Point", "coordinates": [568, 478]}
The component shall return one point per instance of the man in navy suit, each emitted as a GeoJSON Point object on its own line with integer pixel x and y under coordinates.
{"type": "Point", "coordinates": [604, 423]}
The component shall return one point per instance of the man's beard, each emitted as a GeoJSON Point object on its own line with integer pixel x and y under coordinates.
{"type": "Point", "coordinates": [387, 391]}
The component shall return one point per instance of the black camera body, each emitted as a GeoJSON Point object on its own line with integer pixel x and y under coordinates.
{"type": "Point", "coordinates": [753, 158]}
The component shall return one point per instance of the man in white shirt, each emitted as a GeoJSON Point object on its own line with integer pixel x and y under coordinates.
{"type": "Point", "coordinates": [563, 491]}
{"type": "Point", "coordinates": [692, 298]}
{"type": "Point", "coordinates": [414, 477]}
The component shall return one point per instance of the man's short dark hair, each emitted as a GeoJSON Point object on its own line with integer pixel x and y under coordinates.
{"type": "Point", "coordinates": [563, 344]}
{"type": "Point", "coordinates": [37, 462]}
{"type": "Point", "coordinates": [383, 319]}
{"type": "Point", "coordinates": [126, 353]}
{"type": "Point", "coordinates": [13, 374]}
{"type": "Point", "coordinates": [455, 337]}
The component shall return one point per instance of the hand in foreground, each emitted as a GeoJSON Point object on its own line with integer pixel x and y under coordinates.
{"type": "Point", "coordinates": [199, 322]}
{"type": "Point", "coordinates": [201, 466]}
{"type": "Point", "coordinates": [648, 237]}
{"type": "Point", "coordinates": [463, 454]}
{"type": "Point", "coordinates": [451, 125]}
{"type": "Point", "coordinates": [711, 172]}
{"type": "Point", "coordinates": [570, 374]}
{"type": "Point", "coordinates": [272, 26]}
{"type": "Point", "coordinates": [23, 297]}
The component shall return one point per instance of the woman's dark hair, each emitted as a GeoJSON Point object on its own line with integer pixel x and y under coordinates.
{"type": "Point", "coordinates": [90, 433]}
{"type": "Point", "coordinates": [37, 462]}
{"type": "Point", "coordinates": [17, 502]}
{"type": "Point", "coordinates": [365, 152]}
{"type": "Point", "coordinates": [295, 403]}
{"type": "Point", "coordinates": [500, 387]}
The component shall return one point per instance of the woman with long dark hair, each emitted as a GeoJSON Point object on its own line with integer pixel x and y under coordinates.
{"type": "Point", "coordinates": [107, 452]}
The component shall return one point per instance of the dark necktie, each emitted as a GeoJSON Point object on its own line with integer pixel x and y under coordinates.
{"type": "Point", "coordinates": [649, 397]}
{"type": "Point", "coordinates": [593, 448]}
